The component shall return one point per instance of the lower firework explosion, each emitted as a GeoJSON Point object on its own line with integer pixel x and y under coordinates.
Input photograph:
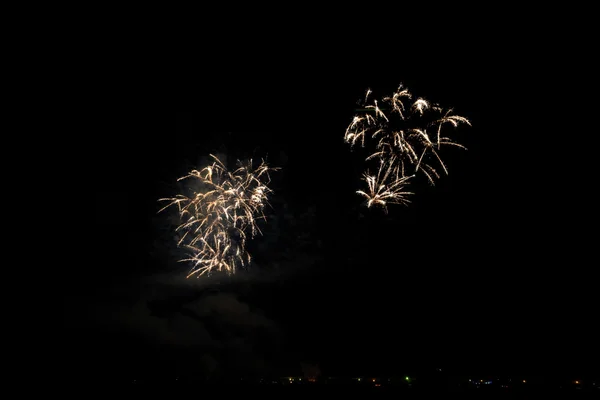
{"type": "Point", "coordinates": [222, 209]}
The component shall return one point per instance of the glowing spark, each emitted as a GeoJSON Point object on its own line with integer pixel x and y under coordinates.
{"type": "Point", "coordinates": [401, 140]}
{"type": "Point", "coordinates": [386, 188]}
{"type": "Point", "coordinates": [214, 219]}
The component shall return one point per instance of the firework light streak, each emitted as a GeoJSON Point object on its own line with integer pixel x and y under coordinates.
{"type": "Point", "coordinates": [405, 138]}
{"type": "Point", "coordinates": [221, 211]}
{"type": "Point", "coordinates": [386, 189]}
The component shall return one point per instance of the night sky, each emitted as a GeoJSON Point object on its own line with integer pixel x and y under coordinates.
{"type": "Point", "coordinates": [485, 272]}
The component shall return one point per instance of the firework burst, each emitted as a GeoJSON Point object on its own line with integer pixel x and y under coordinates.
{"type": "Point", "coordinates": [386, 186]}
{"type": "Point", "coordinates": [219, 214]}
{"type": "Point", "coordinates": [404, 137]}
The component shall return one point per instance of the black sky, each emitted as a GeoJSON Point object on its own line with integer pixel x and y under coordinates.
{"type": "Point", "coordinates": [481, 273]}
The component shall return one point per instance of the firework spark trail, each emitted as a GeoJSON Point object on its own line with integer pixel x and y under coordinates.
{"type": "Point", "coordinates": [406, 139]}
{"type": "Point", "coordinates": [386, 187]}
{"type": "Point", "coordinates": [222, 207]}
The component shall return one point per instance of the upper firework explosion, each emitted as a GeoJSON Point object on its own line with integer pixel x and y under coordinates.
{"type": "Point", "coordinates": [406, 138]}
{"type": "Point", "coordinates": [222, 209]}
